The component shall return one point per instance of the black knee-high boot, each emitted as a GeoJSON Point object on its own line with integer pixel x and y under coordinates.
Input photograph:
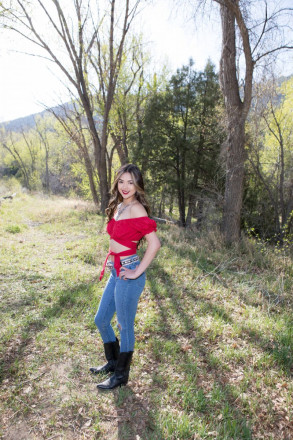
{"type": "Point", "coordinates": [120, 377]}
{"type": "Point", "coordinates": [112, 351]}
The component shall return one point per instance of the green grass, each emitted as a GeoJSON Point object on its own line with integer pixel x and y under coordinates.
{"type": "Point", "coordinates": [13, 229]}
{"type": "Point", "coordinates": [214, 333]}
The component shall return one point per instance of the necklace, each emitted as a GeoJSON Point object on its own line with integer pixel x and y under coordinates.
{"type": "Point", "coordinates": [122, 208]}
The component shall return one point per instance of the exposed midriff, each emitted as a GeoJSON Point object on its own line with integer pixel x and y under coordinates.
{"type": "Point", "coordinates": [117, 248]}
{"type": "Point", "coordinates": [124, 236]}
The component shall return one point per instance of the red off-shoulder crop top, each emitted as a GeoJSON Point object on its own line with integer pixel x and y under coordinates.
{"type": "Point", "coordinates": [127, 232]}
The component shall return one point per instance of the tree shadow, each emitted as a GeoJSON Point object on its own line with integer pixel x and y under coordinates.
{"type": "Point", "coordinates": [280, 347]}
{"type": "Point", "coordinates": [211, 271]}
{"type": "Point", "coordinates": [136, 420]}
{"type": "Point", "coordinates": [14, 350]}
{"type": "Point", "coordinates": [185, 363]}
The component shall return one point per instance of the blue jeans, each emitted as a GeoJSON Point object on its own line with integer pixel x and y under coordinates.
{"type": "Point", "coordinates": [120, 296]}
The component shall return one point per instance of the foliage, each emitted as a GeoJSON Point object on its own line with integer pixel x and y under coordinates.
{"type": "Point", "coordinates": [41, 158]}
{"type": "Point", "coordinates": [13, 229]}
{"type": "Point", "coordinates": [268, 201]}
{"type": "Point", "coordinates": [9, 185]}
{"type": "Point", "coordinates": [181, 136]}
{"type": "Point", "coordinates": [82, 181]}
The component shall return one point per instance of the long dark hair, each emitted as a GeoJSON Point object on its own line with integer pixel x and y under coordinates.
{"type": "Point", "coordinates": [116, 197]}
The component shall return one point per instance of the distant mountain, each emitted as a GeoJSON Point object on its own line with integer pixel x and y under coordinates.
{"type": "Point", "coordinates": [282, 79]}
{"type": "Point", "coordinates": [28, 122]}
{"type": "Point", "coordinates": [22, 124]}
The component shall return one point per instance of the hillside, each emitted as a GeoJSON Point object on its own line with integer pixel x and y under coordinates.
{"type": "Point", "coordinates": [213, 356]}
{"type": "Point", "coordinates": [27, 122]}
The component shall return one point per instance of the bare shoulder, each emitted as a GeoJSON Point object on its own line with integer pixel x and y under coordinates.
{"type": "Point", "coordinates": [138, 210]}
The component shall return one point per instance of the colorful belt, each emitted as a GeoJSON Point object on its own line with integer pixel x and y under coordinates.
{"type": "Point", "coordinates": [110, 264]}
{"type": "Point", "coordinates": [117, 263]}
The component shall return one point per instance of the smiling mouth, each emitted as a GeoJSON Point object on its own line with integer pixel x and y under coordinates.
{"type": "Point", "coordinates": [125, 192]}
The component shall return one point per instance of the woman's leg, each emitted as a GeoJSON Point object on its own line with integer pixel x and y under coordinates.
{"type": "Point", "coordinates": [127, 293]}
{"type": "Point", "coordinates": [106, 310]}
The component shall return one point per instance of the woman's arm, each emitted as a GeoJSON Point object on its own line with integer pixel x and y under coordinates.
{"type": "Point", "coordinates": [150, 253]}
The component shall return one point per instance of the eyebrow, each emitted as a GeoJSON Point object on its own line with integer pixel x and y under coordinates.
{"type": "Point", "coordinates": [131, 180]}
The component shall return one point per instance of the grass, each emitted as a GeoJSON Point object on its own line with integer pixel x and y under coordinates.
{"type": "Point", "coordinates": [214, 333]}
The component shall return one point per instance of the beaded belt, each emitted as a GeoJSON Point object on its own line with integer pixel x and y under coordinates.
{"type": "Point", "coordinates": [110, 264]}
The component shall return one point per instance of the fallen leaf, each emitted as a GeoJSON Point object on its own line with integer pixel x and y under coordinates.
{"type": "Point", "coordinates": [87, 424]}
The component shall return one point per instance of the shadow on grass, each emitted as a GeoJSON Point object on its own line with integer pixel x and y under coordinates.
{"type": "Point", "coordinates": [280, 347]}
{"type": "Point", "coordinates": [138, 422]}
{"type": "Point", "coordinates": [234, 423]}
{"type": "Point", "coordinates": [190, 395]}
{"type": "Point", "coordinates": [14, 304]}
{"type": "Point", "coordinates": [15, 349]}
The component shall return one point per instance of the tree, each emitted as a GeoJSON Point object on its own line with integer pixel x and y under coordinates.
{"type": "Point", "coordinates": [271, 159]}
{"type": "Point", "coordinates": [25, 153]}
{"type": "Point", "coordinates": [72, 121]}
{"type": "Point", "coordinates": [43, 130]}
{"type": "Point", "coordinates": [89, 54]}
{"type": "Point", "coordinates": [206, 174]}
{"type": "Point", "coordinates": [123, 118]}
{"type": "Point", "coordinates": [251, 32]}
{"type": "Point", "coordinates": [180, 138]}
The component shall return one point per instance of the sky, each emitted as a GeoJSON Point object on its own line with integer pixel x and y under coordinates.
{"type": "Point", "coordinates": [27, 83]}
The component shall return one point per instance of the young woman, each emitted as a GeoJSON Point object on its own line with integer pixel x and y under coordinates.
{"type": "Point", "coordinates": [128, 222]}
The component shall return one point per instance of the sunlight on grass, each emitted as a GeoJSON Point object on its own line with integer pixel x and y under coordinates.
{"type": "Point", "coordinates": [214, 334]}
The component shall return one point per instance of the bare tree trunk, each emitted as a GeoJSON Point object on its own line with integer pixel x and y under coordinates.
{"type": "Point", "coordinates": [171, 203]}
{"type": "Point", "coordinates": [89, 170]}
{"type": "Point", "coordinates": [14, 153]}
{"type": "Point", "coordinates": [181, 205]}
{"type": "Point", "coordinates": [44, 141]}
{"type": "Point", "coordinates": [192, 197]}
{"type": "Point", "coordinates": [47, 178]}
{"type": "Point", "coordinates": [236, 111]}
{"type": "Point", "coordinates": [234, 181]}
{"type": "Point", "coordinates": [199, 213]}
{"type": "Point", "coordinates": [190, 211]}
{"type": "Point", "coordinates": [180, 190]}
{"type": "Point", "coordinates": [100, 148]}
{"type": "Point", "coordinates": [282, 179]}
{"type": "Point", "coordinates": [162, 203]}
{"type": "Point", "coordinates": [32, 154]}
{"type": "Point", "coordinates": [119, 147]}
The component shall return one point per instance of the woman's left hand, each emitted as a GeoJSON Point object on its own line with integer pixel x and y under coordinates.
{"type": "Point", "coordinates": [127, 274]}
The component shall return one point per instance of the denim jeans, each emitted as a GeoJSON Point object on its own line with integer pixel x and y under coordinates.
{"type": "Point", "coordinates": [120, 296]}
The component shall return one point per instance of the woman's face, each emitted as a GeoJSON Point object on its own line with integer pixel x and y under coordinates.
{"type": "Point", "coordinates": [126, 187]}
